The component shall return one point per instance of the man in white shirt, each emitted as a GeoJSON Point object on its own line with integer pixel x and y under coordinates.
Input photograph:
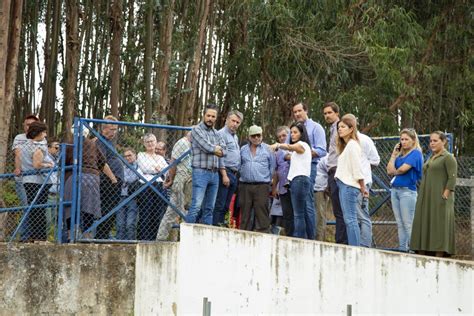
{"type": "Point", "coordinates": [370, 158]}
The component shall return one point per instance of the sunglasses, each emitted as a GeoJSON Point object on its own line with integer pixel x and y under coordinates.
{"type": "Point", "coordinates": [256, 135]}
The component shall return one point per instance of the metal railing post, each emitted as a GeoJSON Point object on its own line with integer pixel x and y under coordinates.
{"type": "Point", "coordinates": [60, 220]}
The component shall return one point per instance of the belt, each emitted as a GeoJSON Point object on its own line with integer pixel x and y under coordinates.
{"type": "Point", "coordinates": [209, 169]}
{"type": "Point", "coordinates": [255, 183]}
{"type": "Point", "coordinates": [232, 171]}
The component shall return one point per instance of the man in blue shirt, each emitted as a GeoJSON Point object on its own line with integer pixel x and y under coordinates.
{"type": "Point", "coordinates": [126, 223]}
{"type": "Point", "coordinates": [317, 138]}
{"type": "Point", "coordinates": [256, 172]}
{"type": "Point", "coordinates": [208, 148]}
{"type": "Point", "coordinates": [228, 178]}
{"type": "Point", "coordinates": [110, 192]}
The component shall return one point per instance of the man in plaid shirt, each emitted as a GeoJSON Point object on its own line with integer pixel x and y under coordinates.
{"type": "Point", "coordinates": [207, 148]}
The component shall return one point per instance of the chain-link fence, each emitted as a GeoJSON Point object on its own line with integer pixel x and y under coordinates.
{"type": "Point", "coordinates": [132, 182]}
{"type": "Point", "coordinates": [127, 175]}
{"type": "Point", "coordinates": [385, 229]}
{"type": "Point", "coordinates": [30, 190]}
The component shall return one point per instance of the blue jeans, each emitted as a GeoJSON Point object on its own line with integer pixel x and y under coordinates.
{"type": "Point", "coordinates": [205, 186]}
{"type": "Point", "coordinates": [127, 221]}
{"type": "Point", "coordinates": [403, 204]}
{"type": "Point", "coordinates": [350, 198]}
{"type": "Point", "coordinates": [21, 193]}
{"type": "Point", "coordinates": [311, 206]}
{"type": "Point", "coordinates": [365, 222]}
{"type": "Point", "coordinates": [224, 196]}
{"type": "Point", "coordinates": [304, 217]}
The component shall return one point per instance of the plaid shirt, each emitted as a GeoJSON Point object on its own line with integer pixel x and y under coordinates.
{"type": "Point", "coordinates": [204, 142]}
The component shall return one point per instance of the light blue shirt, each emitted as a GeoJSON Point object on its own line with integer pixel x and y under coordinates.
{"type": "Point", "coordinates": [130, 176]}
{"type": "Point", "coordinates": [258, 168]}
{"type": "Point", "coordinates": [317, 138]}
{"type": "Point", "coordinates": [232, 158]}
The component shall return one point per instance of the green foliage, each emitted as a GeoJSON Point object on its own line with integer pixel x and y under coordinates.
{"type": "Point", "coordinates": [392, 63]}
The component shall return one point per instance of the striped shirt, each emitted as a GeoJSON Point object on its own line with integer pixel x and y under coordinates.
{"type": "Point", "coordinates": [203, 144]}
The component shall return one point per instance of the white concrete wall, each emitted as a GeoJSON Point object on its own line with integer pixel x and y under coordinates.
{"type": "Point", "coordinates": [155, 279]}
{"type": "Point", "coordinates": [248, 273]}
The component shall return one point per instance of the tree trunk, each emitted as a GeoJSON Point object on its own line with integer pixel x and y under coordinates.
{"type": "Point", "coordinates": [51, 63]}
{"type": "Point", "coordinates": [116, 21]}
{"type": "Point", "coordinates": [72, 65]}
{"type": "Point", "coordinates": [165, 58]}
{"type": "Point", "coordinates": [10, 24]}
{"type": "Point", "coordinates": [31, 60]}
{"type": "Point", "coordinates": [148, 58]}
{"type": "Point", "coordinates": [188, 104]}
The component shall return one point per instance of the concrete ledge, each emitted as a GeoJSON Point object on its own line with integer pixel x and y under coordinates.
{"type": "Point", "coordinates": [249, 273]}
{"type": "Point", "coordinates": [67, 279]}
{"type": "Point", "coordinates": [239, 272]}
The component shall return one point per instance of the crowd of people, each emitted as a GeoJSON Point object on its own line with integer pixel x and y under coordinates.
{"type": "Point", "coordinates": [297, 173]}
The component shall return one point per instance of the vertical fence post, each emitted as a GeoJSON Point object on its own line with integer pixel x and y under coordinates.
{"type": "Point", "coordinates": [60, 220]}
{"type": "Point", "coordinates": [349, 310]}
{"type": "Point", "coordinates": [74, 180]}
{"type": "Point", "coordinates": [471, 185]}
{"type": "Point", "coordinates": [206, 307]}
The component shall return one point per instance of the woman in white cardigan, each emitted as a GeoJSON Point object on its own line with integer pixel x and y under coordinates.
{"type": "Point", "coordinates": [151, 206]}
{"type": "Point", "coordinates": [349, 176]}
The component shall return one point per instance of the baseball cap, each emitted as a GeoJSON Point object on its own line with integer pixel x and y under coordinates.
{"type": "Point", "coordinates": [254, 130]}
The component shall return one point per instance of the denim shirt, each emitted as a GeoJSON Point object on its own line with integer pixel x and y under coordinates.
{"type": "Point", "coordinates": [258, 168]}
{"type": "Point", "coordinates": [130, 176]}
{"type": "Point", "coordinates": [232, 159]}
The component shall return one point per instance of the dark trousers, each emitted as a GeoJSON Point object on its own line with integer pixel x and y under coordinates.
{"type": "Point", "coordinates": [254, 197]}
{"type": "Point", "coordinates": [341, 234]}
{"type": "Point", "coordinates": [224, 196]}
{"type": "Point", "coordinates": [151, 209]}
{"type": "Point", "coordinates": [287, 221]}
{"type": "Point", "coordinates": [109, 199]}
{"type": "Point", "coordinates": [35, 222]}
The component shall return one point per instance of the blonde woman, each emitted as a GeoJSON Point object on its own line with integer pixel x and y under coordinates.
{"type": "Point", "coordinates": [349, 176]}
{"type": "Point", "coordinates": [433, 225]}
{"type": "Point", "coordinates": [405, 166]}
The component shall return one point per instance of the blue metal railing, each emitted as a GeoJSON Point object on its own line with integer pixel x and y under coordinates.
{"type": "Point", "coordinates": [79, 125]}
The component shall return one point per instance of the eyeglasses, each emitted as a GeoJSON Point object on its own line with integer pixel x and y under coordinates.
{"type": "Point", "coordinates": [127, 156]}
{"type": "Point", "coordinates": [256, 135]}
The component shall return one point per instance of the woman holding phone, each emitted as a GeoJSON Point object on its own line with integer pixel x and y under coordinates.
{"type": "Point", "coordinates": [405, 166]}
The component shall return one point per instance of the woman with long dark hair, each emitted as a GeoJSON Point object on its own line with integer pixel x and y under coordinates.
{"type": "Point", "coordinates": [300, 183]}
{"type": "Point", "coordinates": [349, 176]}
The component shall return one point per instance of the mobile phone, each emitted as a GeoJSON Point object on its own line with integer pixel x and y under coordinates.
{"type": "Point", "coordinates": [399, 146]}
